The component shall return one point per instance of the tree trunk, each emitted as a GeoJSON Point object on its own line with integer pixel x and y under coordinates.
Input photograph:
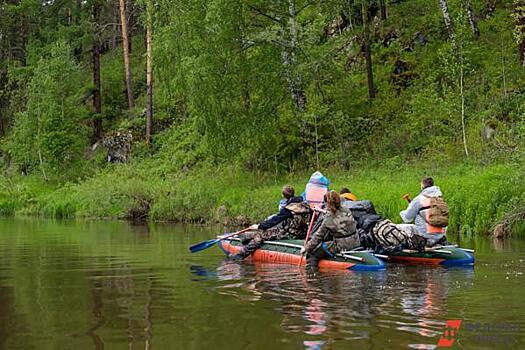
{"type": "Point", "coordinates": [448, 23]}
{"type": "Point", "coordinates": [129, 24]}
{"type": "Point", "coordinates": [69, 13]}
{"type": "Point", "coordinates": [23, 40]}
{"type": "Point", "coordinates": [77, 50]}
{"type": "Point", "coordinates": [125, 47]}
{"type": "Point", "coordinates": [519, 31]}
{"type": "Point", "coordinates": [114, 26]}
{"type": "Point", "coordinates": [79, 12]}
{"type": "Point", "coordinates": [97, 104]}
{"type": "Point", "coordinates": [463, 127]}
{"type": "Point", "coordinates": [243, 61]}
{"type": "Point", "coordinates": [149, 72]}
{"type": "Point", "coordinates": [471, 20]}
{"type": "Point", "coordinates": [367, 51]}
{"type": "Point", "coordinates": [503, 74]}
{"type": "Point", "coordinates": [289, 60]}
{"type": "Point", "coordinates": [382, 9]}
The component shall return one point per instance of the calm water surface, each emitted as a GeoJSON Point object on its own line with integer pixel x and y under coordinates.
{"type": "Point", "coordinates": [95, 285]}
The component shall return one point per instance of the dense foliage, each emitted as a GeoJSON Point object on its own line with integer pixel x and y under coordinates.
{"type": "Point", "coordinates": [273, 86]}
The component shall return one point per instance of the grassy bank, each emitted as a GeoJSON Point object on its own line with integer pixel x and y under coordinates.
{"type": "Point", "coordinates": [478, 195]}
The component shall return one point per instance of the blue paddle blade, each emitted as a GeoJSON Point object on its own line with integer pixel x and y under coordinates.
{"type": "Point", "coordinates": [203, 245]}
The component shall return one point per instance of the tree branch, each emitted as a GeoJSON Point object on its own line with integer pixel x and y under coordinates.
{"type": "Point", "coordinates": [275, 19]}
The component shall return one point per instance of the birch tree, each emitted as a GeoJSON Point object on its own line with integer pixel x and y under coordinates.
{"type": "Point", "coordinates": [448, 23]}
{"type": "Point", "coordinates": [289, 59]}
{"type": "Point", "coordinates": [125, 48]}
{"type": "Point", "coordinates": [519, 27]}
{"type": "Point", "coordinates": [471, 20]}
{"type": "Point", "coordinates": [149, 71]}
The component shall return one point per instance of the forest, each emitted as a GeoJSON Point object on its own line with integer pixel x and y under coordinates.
{"type": "Point", "coordinates": [199, 111]}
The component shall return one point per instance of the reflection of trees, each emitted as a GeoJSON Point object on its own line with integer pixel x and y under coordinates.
{"type": "Point", "coordinates": [8, 316]}
{"type": "Point", "coordinates": [148, 330]}
{"type": "Point", "coordinates": [118, 288]}
{"type": "Point", "coordinates": [96, 292]}
{"type": "Point", "coordinates": [82, 284]}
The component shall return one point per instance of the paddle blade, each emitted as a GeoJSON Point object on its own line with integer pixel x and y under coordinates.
{"type": "Point", "coordinates": [203, 245]}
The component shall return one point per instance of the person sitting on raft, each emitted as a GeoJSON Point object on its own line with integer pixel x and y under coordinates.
{"type": "Point", "coordinates": [337, 233]}
{"type": "Point", "coordinates": [346, 196]}
{"type": "Point", "coordinates": [380, 234]}
{"type": "Point", "coordinates": [290, 222]}
{"type": "Point", "coordinates": [315, 190]}
{"type": "Point", "coordinates": [428, 224]}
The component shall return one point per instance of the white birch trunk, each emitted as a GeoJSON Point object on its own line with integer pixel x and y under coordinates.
{"type": "Point", "coordinates": [471, 20]}
{"type": "Point", "coordinates": [448, 23]}
{"type": "Point", "coordinates": [149, 71]}
{"type": "Point", "coordinates": [463, 107]}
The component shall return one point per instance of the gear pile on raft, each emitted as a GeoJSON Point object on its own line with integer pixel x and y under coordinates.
{"type": "Point", "coordinates": [326, 229]}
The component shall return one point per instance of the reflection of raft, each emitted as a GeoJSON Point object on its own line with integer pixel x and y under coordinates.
{"type": "Point", "coordinates": [446, 256]}
{"type": "Point", "coordinates": [288, 252]}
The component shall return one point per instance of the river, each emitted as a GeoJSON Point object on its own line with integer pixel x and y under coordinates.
{"type": "Point", "coordinates": [96, 284]}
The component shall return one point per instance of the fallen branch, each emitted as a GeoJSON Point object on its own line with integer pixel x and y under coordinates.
{"type": "Point", "coordinates": [503, 228]}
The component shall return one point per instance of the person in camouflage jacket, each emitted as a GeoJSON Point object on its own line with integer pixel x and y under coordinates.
{"type": "Point", "coordinates": [337, 232]}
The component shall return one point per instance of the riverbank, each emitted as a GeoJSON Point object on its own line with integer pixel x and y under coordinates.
{"type": "Point", "coordinates": [479, 196]}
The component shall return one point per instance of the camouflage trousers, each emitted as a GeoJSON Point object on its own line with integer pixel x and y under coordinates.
{"type": "Point", "coordinates": [294, 228]}
{"type": "Point", "coordinates": [253, 240]}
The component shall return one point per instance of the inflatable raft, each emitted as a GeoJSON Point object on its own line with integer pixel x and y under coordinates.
{"type": "Point", "coordinates": [445, 256]}
{"type": "Point", "coordinates": [288, 252]}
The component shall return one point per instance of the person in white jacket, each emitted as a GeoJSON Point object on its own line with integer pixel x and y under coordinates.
{"type": "Point", "coordinates": [417, 212]}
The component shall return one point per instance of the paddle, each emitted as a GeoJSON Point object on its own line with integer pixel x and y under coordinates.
{"type": "Point", "coordinates": [310, 227]}
{"type": "Point", "coordinates": [209, 243]}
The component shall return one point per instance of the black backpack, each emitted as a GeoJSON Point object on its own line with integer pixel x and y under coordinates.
{"type": "Point", "coordinates": [360, 208]}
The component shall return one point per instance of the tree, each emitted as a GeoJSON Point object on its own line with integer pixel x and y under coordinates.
{"type": "Point", "coordinates": [149, 71]}
{"type": "Point", "coordinates": [519, 28]}
{"type": "Point", "coordinates": [95, 52]}
{"type": "Point", "coordinates": [471, 19]}
{"type": "Point", "coordinates": [382, 9]}
{"type": "Point", "coordinates": [289, 58]}
{"type": "Point", "coordinates": [448, 23]}
{"type": "Point", "coordinates": [125, 48]}
{"type": "Point", "coordinates": [49, 135]}
{"type": "Point", "coordinates": [367, 50]}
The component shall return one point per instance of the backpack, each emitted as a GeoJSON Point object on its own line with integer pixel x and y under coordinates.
{"type": "Point", "coordinates": [387, 234]}
{"type": "Point", "coordinates": [298, 208]}
{"type": "Point", "coordinates": [437, 212]}
{"type": "Point", "coordinates": [359, 208]}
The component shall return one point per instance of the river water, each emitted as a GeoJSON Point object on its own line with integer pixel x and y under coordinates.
{"type": "Point", "coordinates": [95, 285]}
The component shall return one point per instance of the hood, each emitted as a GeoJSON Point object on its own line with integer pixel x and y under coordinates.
{"type": "Point", "coordinates": [319, 179]}
{"type": "Point", "coordinates": [433, 191]}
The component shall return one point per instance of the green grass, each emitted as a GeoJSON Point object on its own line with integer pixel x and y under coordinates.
{"type": "Point", "coordinates": [478, 195]}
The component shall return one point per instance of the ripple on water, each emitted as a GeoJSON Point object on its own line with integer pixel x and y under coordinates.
{"type": "Point", "coordinates": [100, 285]}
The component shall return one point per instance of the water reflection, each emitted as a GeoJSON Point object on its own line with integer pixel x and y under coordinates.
{"type": "Point", "coordinates": [110, 285]}
{"type": "Point", "coordinates": [344, 304]}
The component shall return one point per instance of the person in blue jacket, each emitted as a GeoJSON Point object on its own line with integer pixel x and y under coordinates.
{"type": "Point", "coordinates": [290, 222]}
